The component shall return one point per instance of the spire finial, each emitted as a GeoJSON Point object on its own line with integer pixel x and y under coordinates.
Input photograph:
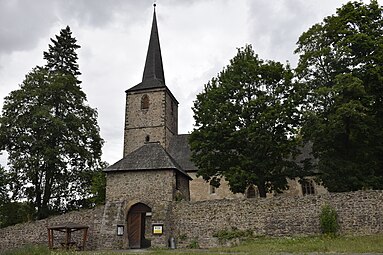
{"type": "Point", "coordinates": [154, 4]}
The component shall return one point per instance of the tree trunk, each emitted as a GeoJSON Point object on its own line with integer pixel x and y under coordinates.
{"type": "Point", "coordinates": [262, 189]}
{"type": "Point", "coordinates": [44, 213]}
{"type": "Point", "coordinates": [38, 194]}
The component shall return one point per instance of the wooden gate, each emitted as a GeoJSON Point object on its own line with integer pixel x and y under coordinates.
{"type": "Point", "coordinates": [136, 226]}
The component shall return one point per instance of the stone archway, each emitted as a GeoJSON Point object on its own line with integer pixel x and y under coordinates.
{"type": "Point", "coordinates": [136, 226]}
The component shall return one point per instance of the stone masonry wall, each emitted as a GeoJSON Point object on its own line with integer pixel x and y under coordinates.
{"type": "Point", "coordinates": [142, 122]}
{"type": "Point", "coordinates": [181, 187]}
{"type": "Point", "coordinates": [360, 213]}
{"type": "Point", "coordinates": [200, 190]}
{"type": "Point", "coordinates": [159, 121]}
{"type": "Point", "coordinates": [171, 118]}
{"type": "Point", "coordinates": [154, 185]}
{"type": "Point", "coordinates": [37, 233]}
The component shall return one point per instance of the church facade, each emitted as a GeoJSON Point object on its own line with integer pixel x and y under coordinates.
{"type": "Point", "coordinates": [156, 169]}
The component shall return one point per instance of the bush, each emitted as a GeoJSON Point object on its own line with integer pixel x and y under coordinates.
{"type": "Point", "coordinates": [329, 220]}
{"type": "Point", "coordinates": [193, 244]}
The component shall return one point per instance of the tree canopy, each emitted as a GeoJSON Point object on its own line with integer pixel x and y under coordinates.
{"type": "Point", "coordinates": [246, 120]}
{"type": "Point", "coordinates": [341, 63]}
{"type": "Point", "coordinates": [51, 134]}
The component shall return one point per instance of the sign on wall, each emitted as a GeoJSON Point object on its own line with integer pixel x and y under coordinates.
{"type": "Point", "coordinates": [158, 229]}
{"type": "Point", "coordinates": [120, 230]}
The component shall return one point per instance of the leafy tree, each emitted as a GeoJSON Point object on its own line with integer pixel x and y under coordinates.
{"type": "Point", "coordinates": [98, 187]}
{"type": "Point", "coordinates": [341, 62]}
{"type": "Point", "coordinates": [12, 213]}
{"type": "Point", "coordinates": [246, 121]}
{"type": "Point", "coordinates": [51, 134]}
{"type": "Point", "coordinates": [3, 195]}
{"type": "Point", "coordinates": [3, 186]}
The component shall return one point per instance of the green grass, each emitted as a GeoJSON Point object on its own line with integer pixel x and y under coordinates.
{"type": "Point", "coordinates": [28, 250]}
{"type": "Point", "coordinates": [261, 245]}
{"type": "Point", "coordinates": [361, 244]}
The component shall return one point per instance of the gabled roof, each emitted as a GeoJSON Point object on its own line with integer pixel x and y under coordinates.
{"type": "Point", "coordinates": [150, 156]}
{"type": "Point", "coordinates": [153, 76]}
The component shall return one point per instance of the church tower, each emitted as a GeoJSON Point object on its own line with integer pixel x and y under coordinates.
{"type": "Point", "coordinates": [151, 113]}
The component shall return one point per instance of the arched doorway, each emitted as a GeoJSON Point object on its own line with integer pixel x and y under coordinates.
{"type": "Point", "coordinates": [136, 221]}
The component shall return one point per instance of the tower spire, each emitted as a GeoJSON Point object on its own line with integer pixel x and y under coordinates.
{"type": "Point", "coordinates": [153, 69]}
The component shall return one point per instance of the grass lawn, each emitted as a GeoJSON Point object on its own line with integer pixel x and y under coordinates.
{"type": "Point", "coordinates": [262, 245]}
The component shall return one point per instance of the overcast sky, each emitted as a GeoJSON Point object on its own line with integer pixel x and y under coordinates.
{"type": "Point", "coordinates": [197, 37]}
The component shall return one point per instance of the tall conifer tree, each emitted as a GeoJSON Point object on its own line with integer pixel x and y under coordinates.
{"type": "Point", "coordinates": [51, 134]}
{"type": "Point", "coordinates": [62, 56]}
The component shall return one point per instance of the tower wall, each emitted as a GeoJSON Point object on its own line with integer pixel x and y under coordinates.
{"type": "Point", "coordinates": [155, 122]}
{"type": "Point", "coordinates": [171, 118]}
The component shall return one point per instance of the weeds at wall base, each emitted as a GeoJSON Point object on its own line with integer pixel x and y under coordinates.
{"type": "Point", "coordinates": [28, 250]}
{"type": "Point", "coordinates": [234, 234]}
{"type": "Point", "coordinates": [329, 221]}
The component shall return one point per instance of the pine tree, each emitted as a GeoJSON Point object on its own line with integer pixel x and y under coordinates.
{"type": "Point", "coordinates": [62, 56]}
{"type": "Point", "coordinates": [51, 134]}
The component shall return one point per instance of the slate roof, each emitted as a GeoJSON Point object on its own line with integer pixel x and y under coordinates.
{"type": "Point", "coordinates": [180, 150]}
{"type": "Point", "coordinates": [153, 76]}
{"type": "Point", "coordinates": [150, 156]}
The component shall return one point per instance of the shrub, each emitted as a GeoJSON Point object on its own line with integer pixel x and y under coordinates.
{"type": "Point", "coordinates": [329, 220]}
{"type": "Point", "coordinates": [193, 244]}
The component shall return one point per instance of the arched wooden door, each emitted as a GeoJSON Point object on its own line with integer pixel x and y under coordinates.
{"type": "Point", "coordinates": [136, 226]}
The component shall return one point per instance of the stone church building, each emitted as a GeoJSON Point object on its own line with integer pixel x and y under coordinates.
{"type": "Point", "coordinates": [154, 199]}
{"type": "Point", "coordinates": [156, 166]}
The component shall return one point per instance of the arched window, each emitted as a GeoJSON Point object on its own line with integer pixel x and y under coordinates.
{"type": "Point", "coordinates": [145, 102]}
{"type": "Point", "coordinates": [251, 192]}
{"type": "Point", "coordinates": [307, 187]}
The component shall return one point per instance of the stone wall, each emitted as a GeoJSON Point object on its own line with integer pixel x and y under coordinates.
{"type": "Point", "coordinates": [153, 185]}
{"type": "Point", "coordinates": [140, 123]}
{"type": "Point", "coordinates": [37, 233]}
{"type": "Point", "coordinates": [360, 213]}
{"type": "Point", "coordinates": [158, 122]}
{"type": "Point", "coordinates": [171, 117]}
{"type": "Point", "coordinates": [200, 190]}
{"type": "Point", "coordinates": [182, 188]}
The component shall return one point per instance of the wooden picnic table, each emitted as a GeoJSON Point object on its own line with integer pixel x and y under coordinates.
{"type": "Point", "coordinates": [68, 228]}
